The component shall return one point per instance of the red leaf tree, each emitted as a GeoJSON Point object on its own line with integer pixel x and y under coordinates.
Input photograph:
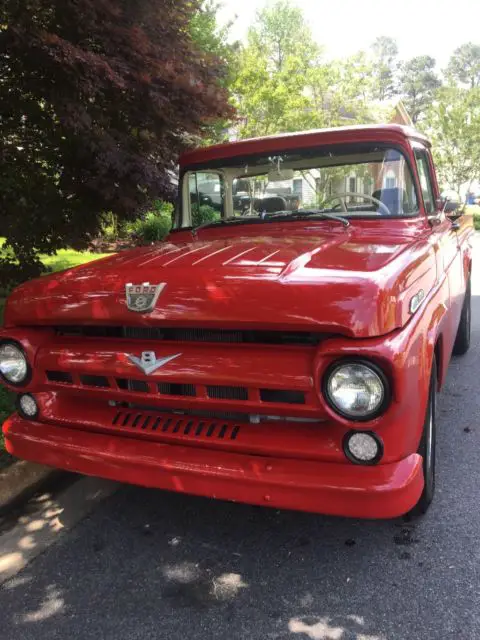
{"type": "Point", "coordinates": [97, 99]}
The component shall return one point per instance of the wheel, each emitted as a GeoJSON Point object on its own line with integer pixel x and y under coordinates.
{"type": "Point", "coordinates": [427, 447]}
{"type": "Point", "coordinates": [462, 341]}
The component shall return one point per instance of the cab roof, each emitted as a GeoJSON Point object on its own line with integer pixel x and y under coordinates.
{"type": "Point", "coordinates": [388, 133]}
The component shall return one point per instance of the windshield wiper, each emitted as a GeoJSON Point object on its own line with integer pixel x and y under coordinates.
{"type": "Point", "coordinates": [299, 214]}
{"type": "Point", "coordinates": [212, 223]}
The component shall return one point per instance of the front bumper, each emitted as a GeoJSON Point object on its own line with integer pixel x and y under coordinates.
{"type": "Point", "coordinates": [383, 491]}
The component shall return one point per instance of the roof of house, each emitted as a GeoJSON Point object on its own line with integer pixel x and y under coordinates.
{"type": "Point", "coordinates": [389, 133]}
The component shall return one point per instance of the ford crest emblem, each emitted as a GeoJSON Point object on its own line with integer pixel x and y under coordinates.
{"type": "Point", "coordinates": [143, 297]}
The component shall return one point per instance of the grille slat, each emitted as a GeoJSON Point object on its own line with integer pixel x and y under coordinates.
{"type": "Point", "coordinates": [214, 392]}
{"type": "Point", "coordinates": [175, 334]}
{"type": "Point", "coordinates": [282, 396]}
{"type": "Point", "coordinates": [176, 389]}
{"type": "Point", "coordinates": [95, 381]}
{"type": "Point", "coordinates": [227, 393]}
{"type": "Point", "coordinates": [59, 376]}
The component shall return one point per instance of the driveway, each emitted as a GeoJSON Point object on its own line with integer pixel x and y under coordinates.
{"type": "Point", "coordinates": [149, 565]}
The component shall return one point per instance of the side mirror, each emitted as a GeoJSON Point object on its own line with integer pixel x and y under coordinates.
{"type": "Point", "coordinates": [451, 207]}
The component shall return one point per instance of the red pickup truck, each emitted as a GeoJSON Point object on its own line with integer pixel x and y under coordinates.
{"type": "Point", "coordinates": [274, 356]}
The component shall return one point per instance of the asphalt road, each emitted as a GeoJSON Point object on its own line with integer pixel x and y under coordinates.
{"type": "Point", "coordinates": [149, 565]}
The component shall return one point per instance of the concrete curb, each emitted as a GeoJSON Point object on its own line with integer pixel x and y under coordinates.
{"type": "Point", "coordinates": [20, 479]}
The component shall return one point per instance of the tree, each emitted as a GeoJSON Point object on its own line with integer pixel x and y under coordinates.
{"type": "Point", "coordinates": [283, 84]}
{"type": "Point", "coordinates": [385, 65]}
{"type": "Point", "coordinates": [273, 67]}
{"type": "Point", "coordinates": [453, 124]}
{"type": "Point", "coordinates": [98, 98]}
{"type": "Point", "coordinates": [418, 83]}
{"type": "Point", "coordinates": [464, 65]}
{"type": "Point", "coordinates": [213, 40]}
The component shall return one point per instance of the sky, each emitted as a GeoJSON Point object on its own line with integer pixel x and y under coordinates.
{"type": "Point", "coordinates": [432, 27]}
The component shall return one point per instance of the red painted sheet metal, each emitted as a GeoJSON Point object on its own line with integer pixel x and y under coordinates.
{"type": "Point", "coordinates": [384, 491]}
{"type": "Point", "coordinates": [288, 438]}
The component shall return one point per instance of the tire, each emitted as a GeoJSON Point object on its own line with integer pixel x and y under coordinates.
{"type": "Point", "coordinates": [462, 341]}
{"type": "Point", "coordinates": [427, 447]}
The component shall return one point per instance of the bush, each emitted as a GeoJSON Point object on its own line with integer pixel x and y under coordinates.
{"type": "Point", "coordinates": [204, 214]}
{"type": "Point", "coordinates": [474, 210]}
{"type": "Point", "coordinates": [155, 225]}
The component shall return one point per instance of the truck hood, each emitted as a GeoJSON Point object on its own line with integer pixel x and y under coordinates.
{"type": "Point", "coordinates": [341, 283]}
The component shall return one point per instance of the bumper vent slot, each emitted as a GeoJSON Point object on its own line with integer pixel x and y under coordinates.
{"type": "Point", "coordinates": [188, 426]}
{"type": "Point", "coordinates": [282, 396]}
{"type": "Point", "coordinates": [227, 393]}
{"type": "Point", "coordinates": [59, 376]}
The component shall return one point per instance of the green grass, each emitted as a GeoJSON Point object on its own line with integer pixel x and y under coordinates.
{"type": "Point", "coordinates": [64, 259]}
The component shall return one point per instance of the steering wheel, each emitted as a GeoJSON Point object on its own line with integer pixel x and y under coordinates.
{"type": "Point", "coordinates": [353, 194]}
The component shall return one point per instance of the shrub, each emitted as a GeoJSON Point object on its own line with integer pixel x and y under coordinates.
{"type": "Point", "coordinates": [154, 225]}
{"type": "Point", "coordinates": [204, 214]}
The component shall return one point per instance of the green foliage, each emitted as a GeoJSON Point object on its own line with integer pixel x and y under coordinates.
{"type": "Point", "coordinates": [204, 214]}
{"type": "Point", "coordinates": [213, 41]}
{"type": "Point", "coordinates": [97, 100]}
{"type": "Point", "coordinates": [283, 84]}
{"type": "Point", "coordinates": [453, 124]}
{"type": "Point", "coordinates": [474, 210]}
{"type": "Point", "coordinates": [154, 225]}
{"type": "Point", "coordinates": [418, 84]}
{"type": "Point", "coordinates": [385, 65]}
{"type": "Point", "coordinates": [464, 65]}
{"type": "Point", "coordinates": [111, 229]}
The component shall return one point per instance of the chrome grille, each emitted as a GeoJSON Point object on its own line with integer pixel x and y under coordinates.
{"type": "Point", "coordinates": [214, 392]}
{"type": "Point", "coordinates": [176, 334]}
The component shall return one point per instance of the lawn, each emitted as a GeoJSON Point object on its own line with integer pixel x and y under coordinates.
{"type": "Point", "coordinates": [63, 260]}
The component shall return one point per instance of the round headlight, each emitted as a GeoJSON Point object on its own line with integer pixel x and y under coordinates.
{"type": "Point", "coordinates": [13, 363]}
{"type": "Point", "coordinates": [356, 390]}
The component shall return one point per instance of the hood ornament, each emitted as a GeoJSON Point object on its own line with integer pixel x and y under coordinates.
{"type": "Point", "coordinates": [148, 362]}
{"type": "Point", "coordinates": [143, 297]}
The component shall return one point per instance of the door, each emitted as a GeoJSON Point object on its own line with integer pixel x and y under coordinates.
{"type": "Point", "coordinates": [446, 238]}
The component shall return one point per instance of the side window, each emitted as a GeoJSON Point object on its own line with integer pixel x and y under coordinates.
{"type": "Point", "coordinates": [425, 181]}
{"type": "Point", "coordinates": [205, 189]}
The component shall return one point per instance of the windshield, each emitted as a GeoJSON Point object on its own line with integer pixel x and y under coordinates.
{"type": "Point", "coordinates": [358, 181]}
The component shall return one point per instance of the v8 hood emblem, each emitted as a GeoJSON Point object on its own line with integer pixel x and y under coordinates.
{"type": "Point", "coordinates": [148, 362]}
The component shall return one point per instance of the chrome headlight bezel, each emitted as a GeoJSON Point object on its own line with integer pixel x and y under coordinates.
{"type": "Point", "coordinates": [376, 370]}
{"type": "Point", "coordinates": [28, 371]}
